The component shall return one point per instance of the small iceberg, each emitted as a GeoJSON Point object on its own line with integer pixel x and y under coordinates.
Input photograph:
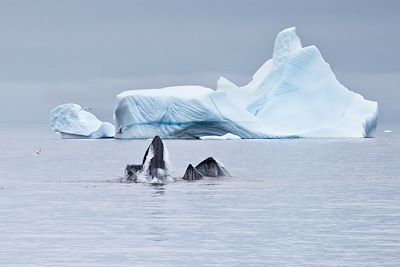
{"type": "Point", "coordinates": [228, 136]}
{"type": "Point", "coordinates": [387, 131]}
{"type": "Point", "coordinates": [75, 122]}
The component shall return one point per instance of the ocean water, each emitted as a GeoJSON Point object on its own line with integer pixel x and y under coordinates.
{"type": "Point", "coordinates": [298, 202]}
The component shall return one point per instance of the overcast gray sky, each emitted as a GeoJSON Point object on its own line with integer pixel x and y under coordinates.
{"type": "Point", "coordinates": [87, 51]}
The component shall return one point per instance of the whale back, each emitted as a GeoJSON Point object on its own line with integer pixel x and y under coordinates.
{"type": "Point", "coordinates": [211, 168]}
{"type": "Point", "coordinates": [192, 174]}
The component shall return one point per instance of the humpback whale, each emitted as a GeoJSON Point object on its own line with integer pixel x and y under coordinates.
{"type": "Point", "coordinates": [208, 167]}
{"type": "Point", "coordinates": [211, 168]}
{"type": "Point", "coordinates": [154, 164]}
{"type": "Point", "coordinates": [154, 167]}
{"type": "Point", "coordinates": [192, 174]}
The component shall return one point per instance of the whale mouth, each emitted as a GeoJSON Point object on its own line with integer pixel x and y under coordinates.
{"type": "Point", "coordinates": [155, 167]}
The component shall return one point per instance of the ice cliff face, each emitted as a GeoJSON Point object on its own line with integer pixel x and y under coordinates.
{"type": "Point", "coordinates": [294, 94]}
{"type": "Point", "coordinates": [183, 112]}
{"type": "Point", "coordinates": [72, 121]}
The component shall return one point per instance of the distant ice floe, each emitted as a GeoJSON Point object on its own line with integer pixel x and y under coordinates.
{"type": "Point", "coordinates": [294, 94]}
{"type": "Point", "coordinates": [227, 136]}
{"type": "Point", "coordinates": [387, 131]}
{"type": "Point", "coordinates": [74, 122]}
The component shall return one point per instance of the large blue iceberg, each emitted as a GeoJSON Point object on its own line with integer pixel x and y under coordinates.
{"type": "Point", "coordinates": [73, 121]}
{"type": "Point", "coordinates": [294, 94]}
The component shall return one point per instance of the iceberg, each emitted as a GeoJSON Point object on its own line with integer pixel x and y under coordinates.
{"type": "Point", "coordinates": [294, 94]}
{"type": "Point", "coordinates": [73, 121]}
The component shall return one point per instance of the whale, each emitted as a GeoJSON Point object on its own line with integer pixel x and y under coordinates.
{"type": "Point", "coordinates": [207, 168]}
{"type": "Point", "coordinates": [212, 168]}
{"type": "Point", "coordinates": [192, 174]}
{"type": "Point", "coordinates": [153, 163]}
{"type": "Point", "coordinates": [154, 167]}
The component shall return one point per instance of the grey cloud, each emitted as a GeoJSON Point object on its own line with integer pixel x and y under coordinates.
{"type": "Point", "coordinates": [89, 50]}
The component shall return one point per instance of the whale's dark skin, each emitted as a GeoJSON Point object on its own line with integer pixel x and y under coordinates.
{"type": "Point", "coordinates": [192, 174]}
{"type": "Point", "coordinates": [157, 162]}
{"type": "Point", "coordinates": [211, 168]}
{"type": "Point", "coordinates": [153, 165]}
{"type": "Point", "coordinates": [131, 171]}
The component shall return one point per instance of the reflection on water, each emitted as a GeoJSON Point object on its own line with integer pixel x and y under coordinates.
{"type": "Point", "coordinates": [209, 184]}
{"type": "Point", "coordinates": [158, 190]}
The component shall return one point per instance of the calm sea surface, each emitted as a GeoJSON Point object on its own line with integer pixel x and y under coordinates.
{"type": "Point", "coordinates": [305, 202]}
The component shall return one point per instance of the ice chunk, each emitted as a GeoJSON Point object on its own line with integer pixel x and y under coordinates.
{"type": "Point", "coordinates": [106, 130]}
{"type": "Point", "coordinates": [294, 94]}
{"type": "Point", "coordinates": [227, 136]}
{"type": "Point", "coordinates": [72, 121]}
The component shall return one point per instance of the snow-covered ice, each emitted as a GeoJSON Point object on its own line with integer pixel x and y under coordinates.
{"type": "Point", "coordinates": [294, 94]}
{"type": "Point", "coordinates": [227, 136]}
{"type": "Point", "coordinates": [302, 95]}
{"type": "Point", "coordinates": [73, 121]}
